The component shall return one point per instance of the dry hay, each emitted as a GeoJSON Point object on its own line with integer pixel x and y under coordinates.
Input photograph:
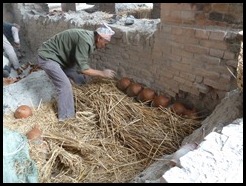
{"type": "Point", "coordinates": [112, 139]}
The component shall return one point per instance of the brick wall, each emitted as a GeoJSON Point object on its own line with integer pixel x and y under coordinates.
{"type": "Point", "coordinates": [197, 43]}
{"type": "Point", "coordinates": [7, 12]}
{"type": "Point", "coordinates": [203, 14]}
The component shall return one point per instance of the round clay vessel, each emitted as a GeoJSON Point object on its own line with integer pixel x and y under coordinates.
{"type": "Point", "coordinates": [191, 114]}
{"type": "Point", "coordinates": [34, 133]}
{"type": "Point", "coordinates": [23, 111]}
{"type": "Point", "coordinates": [123, 83]}
{"type": "Point", "coordinates": [133, 89]}
{"type": "Point", "coordinates": [178, 108]}
{"type": "Point", "coordinates": [160, 101]}
{"type": "Point", "coordinates": [146, 94]}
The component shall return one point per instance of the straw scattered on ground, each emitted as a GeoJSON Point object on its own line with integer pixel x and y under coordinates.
{"type": "Point", "coordinates": [112, 139]}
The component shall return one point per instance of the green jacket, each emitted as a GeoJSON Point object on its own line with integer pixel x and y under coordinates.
{"type": "Point", "coordinates": [70, 47]}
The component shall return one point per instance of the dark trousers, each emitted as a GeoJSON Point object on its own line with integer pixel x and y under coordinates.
{"type": "Point", "coordinates": [60, 78]}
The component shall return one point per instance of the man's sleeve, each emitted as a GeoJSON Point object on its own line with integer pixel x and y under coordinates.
{"type": "Point", "coordinates": [82, 56]}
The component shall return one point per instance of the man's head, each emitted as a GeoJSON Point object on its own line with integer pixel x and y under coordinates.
{"type": "Point", "coordinates": [103, 36]}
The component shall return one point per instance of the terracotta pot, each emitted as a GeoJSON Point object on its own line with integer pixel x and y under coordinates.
{"type": "Point", "coordinates": [160, 101]}
{"type": "Point", "coordinates": [179, 108]}
{"type": "Point", "coordinates": [8, 81]}
{"type": "Point", "coordinates": [146, 94]}
{"type": "Point", "coordinates": [133, 89]}
{"type": "Point", "coordinates": [191, 114]}
{"type": "Point", "coordinates": [123, 83]}
{"type": "Point", "coordinates": [23, 111]}
{"type": "Point", "coordinates": [34, 134]}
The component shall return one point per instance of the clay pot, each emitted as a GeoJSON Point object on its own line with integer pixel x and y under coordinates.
{"type": "Point", "coordinates": [179, 108]}
{"type": "Point", "coordinates": [8, 81]}
{"type": "Point", "coordinates": [146, 94]}
{"type": "Point", "coordinates": [34, 134]}
{"type": "Point", "coordinates": [123, 83]}
{"type": "Point", "coordinates": [133, 89]}
{"type": "Point", "coordinates": [160, 101]}
{"type": "Point", "coordinates": [23, 111]}
{"type": "Point", "coordinates": [191, 114]}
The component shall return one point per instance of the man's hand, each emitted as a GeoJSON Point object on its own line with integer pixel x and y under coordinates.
{"type": "Point", "coordinates": [108, 73]}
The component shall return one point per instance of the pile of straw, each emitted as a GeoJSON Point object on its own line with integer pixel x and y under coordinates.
{"type": "Point", "coordinates": [112, 139]}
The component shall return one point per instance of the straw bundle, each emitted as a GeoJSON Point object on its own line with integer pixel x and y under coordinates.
{"type": "Point", "coordinates": [112, 139]}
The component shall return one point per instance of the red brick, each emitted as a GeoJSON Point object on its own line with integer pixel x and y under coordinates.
{"type": "Point", "coordinates": [167, 73]}
{"type": "Point", "coordinates": [202, 34]}
{"type": "Point", "coordinates": [208, 59]}
{"type": "Point", "coordinates": [171, 15]}
{"type": "Point", "coordinates": [181, 67]}
{"type": "Point", "coordinates": [220, 7]}
{"type": "Point", "coordinates": [179, 79]}
{"type": "Point", "coordinates": [206, 73]}
{"type": "Point", "coordinates": [217, 84]}
{"type": "Point", "coordinates": [188, 61]}
{"type": "Point", "coordinates": [184, 88]}
{"type": "Point", "coordinates": [216, 53]}
{"type": "Point", "coordinates": [188, 32]}
{"type": "Point", "coordinates": [190, 77]}
{"type": "Point", "coordinates": [169, 83]}
{"type": "Point", "coordinates": [228, 55]}
{"type": "Point", "coordinates": [214, 44]}
{"type": "Point", "coordinates": [217, 35]}
{"type": "Point", "coordinates": [176, 30]}
{"type": "Point", "coordinates": [188, 15]}
{"type": "Point", "coordinates": [196, 49]}
{"type": "Point", "coordinates": [171, 93]}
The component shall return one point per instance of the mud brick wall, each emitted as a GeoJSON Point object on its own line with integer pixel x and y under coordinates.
{"type": "Point", "coordinates": [190, 56]}
{"type": "Point", "coordinates": [203, 14]}
{"type": "Point", "coordinates": [8, 14]}
{"type": "Point", "coordinates": [196, 45]}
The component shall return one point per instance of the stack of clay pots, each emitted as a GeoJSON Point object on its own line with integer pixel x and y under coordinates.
{"type": "Point", "coordinates": [142, 94]}
{"type": "Point", "coordinates": [150, 97]}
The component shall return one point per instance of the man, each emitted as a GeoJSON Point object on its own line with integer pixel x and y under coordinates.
{"type": "Point", "coordinates": [64, 57]}
{"type": "Point", "coordinates": [10, 40]}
